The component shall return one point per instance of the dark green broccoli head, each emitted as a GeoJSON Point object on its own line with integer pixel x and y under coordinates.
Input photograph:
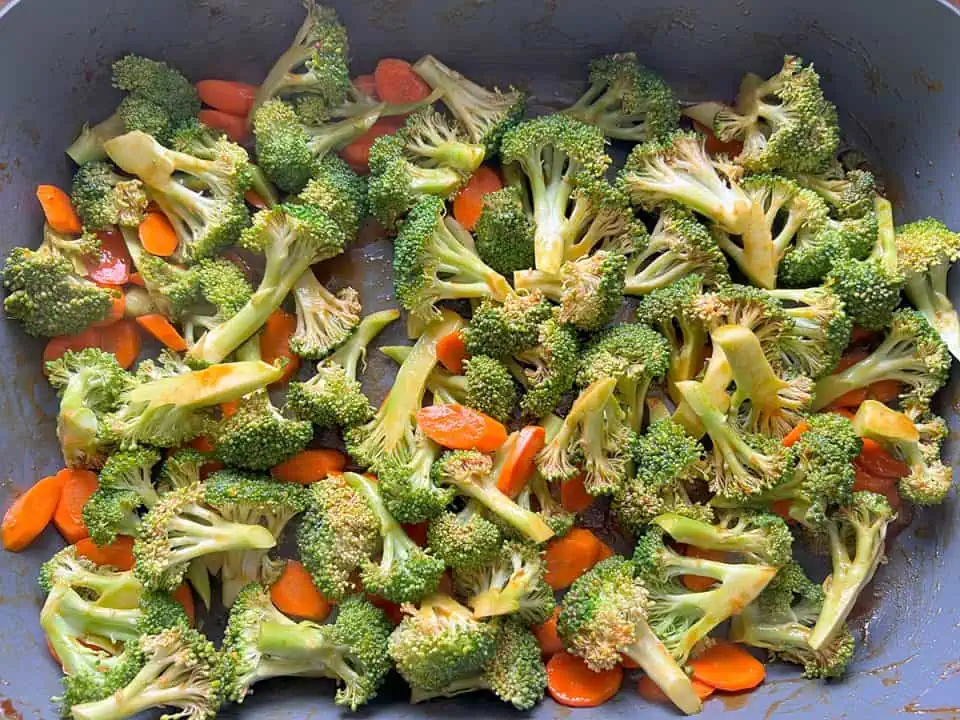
{"type": "Point", "coordinates": [283, 146]}
{"type": "Point", "coordinates": [592, 289]}
{"type": "Point", "coordinates": [549, 368]}
{"type": "Point", "coordinates": [504, 232]}
{"type": "Point", "coordinates": [490, 387]}
{"type": "Point", "coordinates": [463, 539]}
{"type": "Point", "coordinates": [340, 191]}
{"type": "Point", "coordinates": [870, 294]}
{"type": "Point", "coordinates": [257, 436]}
{"type": "Point", "coordinates": [102, 197]}
{"type": "Point", "coordinates": [503, 330]}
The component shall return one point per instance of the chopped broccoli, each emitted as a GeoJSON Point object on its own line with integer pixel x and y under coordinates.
{"type": "Point", "coordinates": [504, 330]}
{"type": "Point", "coordinates": [754, 536]}
{"type": "Point", "coordinates": [464, 538]}
{"type": "Point", "coordinates": [103, 197]}
{"type": "Point", "coordinates": [485, 385]}
{"type": "Point", "coordinates": [819, 333]}
{"type": "Point", "coordinates": [849, 192]}
{"type": "Point", "coordinates": [125, 485]}
{"type": "Point", "coordinates": [181, 468]}
{"type": "Point", "coordinates": [510, 583]}
{"type": "Point", "coordinates": [324, 320]}
{"type": "Point", "coordinates": [111, 587]}
{"type": "Point", "coordinates": [504, 232]}
{"type": "Point", "coordinates": [431, 140]}
{"type": "Point", "coordinates": [408, 491]}
{"type": "Point", "coordinates": [546, 370]}
{"type": "Point", "coordinates": [342, 193]}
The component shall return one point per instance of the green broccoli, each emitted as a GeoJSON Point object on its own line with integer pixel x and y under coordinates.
{"type": "Point", "coordinates": [547, 369]}
{"type": "Point", "coordinates": [430, 264]}
{"type": "Point", "coordinates": [779, 621]}
{"type": "Point", "coordinates": [180, 468]}
{"type": "Point", "coordinates": [510, 583]}
{"type": "Point", "coordinates": [604, 617]}
{"type": "Point", "coordinates": [408, 491]}
{"type": "Point", "coordinates": [324, 320]}
{"type": "Point", "coordinates": [850, 193]}
{"type": "Point", "coordinates": [819, 333]}
{"type": "Point", "coordinates": [754, 536]}
{"type": "Point", "coordinates": [440, 642]}
{"type": "Point", "coordinates": [504, 232]}
{"type": "Point", "coordinates": [925, 251]}
{"type": "Point", "coordinates": [484, 114]}
{"type": "Point", "coordinates": [205, 217]}
{"type": "Point", "coordinates": [463, 538]}
{"type": "Point", "coordinates": [340, 192]}
{"type": "Point", "coordinates": [261, 642]}
{"type": "Point", "coordinates": [538, 497]}
{"type": "Point", "coordinates": [102, 197]}
{"type": "Point", "coordinates": [551, 152]}
{"type": "Point", "coordinates": [431, 140]}
{"type": "Point", "coordinates": [626, 100]}
{"type": "Point", "coordinates": [601, 219]}
{"type": "Point", "coordinates": [125, 485]}
{"type": "Point", "coordinates": [485, 385]}
{"type": "Point", "coordinates": [158, 101]}
{"type": "Point", "coordinates": [111, 587]}
{"type": "Point", "coordinates": [504, 330]}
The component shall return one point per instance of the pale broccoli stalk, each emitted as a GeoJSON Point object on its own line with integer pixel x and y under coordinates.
{"type": "Point", "coordinates": [324, 320]}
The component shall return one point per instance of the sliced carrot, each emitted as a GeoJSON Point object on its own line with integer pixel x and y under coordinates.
{"type": "Point", "coordinates": [118, 554]}
{"type": "Point", "coordinates": [716, 146]}
{"type": "Point", "coordinates": [57, 346]}
{"type": "Point", "coordinates": [699, 583]}
{"type": "Point", "coordinates": [229, 409]}
{"type": "Point", "coordinates": [782, 509]}
{"type": "Point", "coordinates": [58, 210]}
{"type": "Point", "coordinates": [392, 610]}
{"type": "Point", "coordinates": [229, 96]}
{"type": "Point", "coordinates": [862, 335]}
{"type": "Point", "coordinates": [571, 683]}
{"type": "Point", "coordinates": [397, 82]}
{"type": "Point", "coordinates": [136, 278]}
{"type": "Point", "coordinates": [233, 125]}
{"type": "Point", "coordinates": [886, 486]}
{"type": "Point", "coordinates": [254, 199]}
{"type": "Point", "coordinates": [275, 342]}
{"type": "Point", "coordinates": [295, 594]}
{"type": "Point", "coordinates": [357, 153]}
{"type": "Point", "coordinates": [792, 437]}
{"type": "Point", "coordinates": [310, 466]}
{"type": "Point", "coordinates": [111, 265]}
{"type": "Point", "coordinates": [850, 399]}
{"type": "Point", "coordinates": [123, 340]}
{"type": "Point", "coordinates": [844, 412]}
{"type": "Point", "coordinates": [547, 636]}
{"type": "Point", "coordinates": [875, 460]}
{"type": "Point", "coordinates": [850, 358]}
{"type": "Point", "coordinates": [570, 556]}
{"type": "Point", "coordinates": [30, 513]}
{"type": "Point", "coordinates": [729, 667]}
{"type": "Point", "coordinates": [452, 351]}
{"type": "Point", "coordinates": [416, 532]}
{"type": "Point", "coordinates": [367, 84]}
{"type": "Point", "coordinates": [163, 330]}
{"type": "Point", "coordinates": [628, 663]}
{"type": "Point", "coordinates": [604, 552]}
{"type": "Point", "coordinates": [184, 596]}
{"type": "Point", "coordinates": [649, 690]}
{"type": "Point", "coordinates": [118, 305]}
{"type": "Point", "coordinates": [468, 203]}
{"type": "Point", "coordinates": [884, 391]}
{"type": "Point", "coordinates": [518, 467]}
{"type": "Point", "coordinates": [78, 486]}
{"type": "Point", "coordinates": [157, 235]}
{"type": "Point", "coordinates": [573, 494]}
{"type": "Point", "coordinates": [458, 427]}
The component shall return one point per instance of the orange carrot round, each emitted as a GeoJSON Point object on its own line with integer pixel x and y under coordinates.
{"type": "Point", "coordinates": [851, 399]}
{"type": "Point", "coordinates": [782, 509]}
{"type": "Point", "coordinates": [234, 126]}
{"type": "Point", "coordinates": [571, 683]}
{"type": "Point", "coordinates": [357, 153]}
{"type": "Point", "coordinates": [416, 532]}
{"type": "Point", "coordinates": [367, 84]}
{"type": "Point", "coordinates": [884, 391]}
{"type": "Point", "coordinates": [122, 339]}
{"type": "Point", "coordinates": [875, 460]}
{"type": "Point", "coordinates": [850, 358]}
{"type": "Point", "coordinates": [157, 235]}
{"type": "Point", "coordinates": [184, 596]}
{"type": "Point", "coordinates": [30, 513]}
{"type": "Point", "coordinates": [118, 554]}
{"type": "Point", "coordinates": [861, 335]}
{"type": "Point", "coordinates": [547, 636]}
{"type": "Point", "coordinates": [570, 556]}
{"type": "Point", "coordinates": [392, 610]}
{"type": "Point", "coordinates": [112, 262]}
{"type": "Point", "coordinates": [275, 342]}
{"type": "Point", "coordinates": [310, 466]}
{"type": "Point", "coordinates": [628, 663]}
{"type": "Point", "coordinates": [163, 330]}
{"type": "Point", "coordinates": [716, 146]}
{"type": "Point", "coordinates": [452, 351]}
{"type": "Point", "coordinates": [792, 437]}
{"type": "Point", "coordinates": [295, 594]}
{"type": "Point", "coordinates": [58, 210]}
{"type": "Point", "coordinates": [573, 494]}
{"type": "Point", "coordinates": [57, 346]}
{"type": "Point", "coordinates": [136, 279]}
{"type": "Point", "coordinates": [729, 667]}
{"type": "Point", "coordinates": [458, 427]}
{"type": "Point", "coordinates": [518, 467]}
{"type": "Point", "coordinates": [78, 486]}
{"type": "Point", "coordinates": [468, 203]}
{"type": "Point", "coordinates": [397, 82]}
{"type": "Point", "coordinates": [229, 96]}
{"type": "Point", "coordinates": [649, 690]}
{"type": "Point", "coordinates": [254, 199]}
{"type": "Point", "coordinates": [118, 306]}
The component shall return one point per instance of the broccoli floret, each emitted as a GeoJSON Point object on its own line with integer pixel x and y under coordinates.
{"type": "Point", "coordinates": [504, 330]}
{"type": "Point", "coordinates": [856, 535]}
{"type": "Point", "coordinates": [604, 616]}
{"type": "Point", "coordinates": [208, 215]}
{"type": "Point", "coordinates": [324, 320]}
{"type": "Point", "coordinates": [340, 192]}
{"type": "Point", "coordinates": [261, 642]}
{"type": "Point", "coordinates": [159, 100]}
{"type": "Point", "coordinates": [440, 642]}
{"type": "Point", "coordinates": [850, 193]}
{"type": "Point", "coordinates": [925, 251]}
{"type": "Point", "coordinates": [552, 151]}
{"type": "Point", "coordinates": [484, 114]}
{"type": "Point", "coordinates": [601, 219]}
{"type": "Point", "coordinates": [103, 197]}
{"type": "Point", "coordinates": [471, 473]}
{"type": "Point", "coordinates": [676, 168]}
{"type": "Point", "coordinates": [819, 333]}
{"type": "Point", "coordinates": [485, 385]}
{"type": "Point", "coordinates": [431, 140]}
{"type": "Point", "coordinates": [744, 464]}
{"type": "Point", "coordinates": [784, 122]}
{"type": "Point", "coordinates": [504, 232]}
{"type": "Point", "coordinates": [114, 588]}
{"type": "Point", "coordinates": [464, 538]}
{"type": "Point", "coordinates": [407, 488]}
{"type": "Point", "coordinates": [912, 353]}
{"type": "Point", "coordinates": [779, 621]}
{"type": "Point", "coordinates": [929, 479]}
{"type": "Point", "coordinates": [125, 485]}
{"type": "Point", "coordinates": [430, 264]}
{"type": "Point", "coordinates": [546, 370]}
{"type": "Point", "coordinates": [181, 468]}
{"type": "Point", "coordinates": [515, 673]}
{"type": "Point", "coordinates": [681, 617]}
{"type": "Point", "coordinates": [754, 536]}
{"type": "Point", "coordinates": [668, 463]}
{"type": "Point", "coordinates": [511, 583]}
{"type": "Point", "coordinates": [90, 384]}
{"type": "Point", "coordinates": [626, 100]}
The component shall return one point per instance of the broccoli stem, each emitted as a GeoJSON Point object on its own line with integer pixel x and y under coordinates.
{"type": "Point", "coordinates": [389, 528]}
{"type": "Point", "coordinates": [148, 689]}
{"type": "Point", "coordinates": [524, 521]}
{"type": "Point", "coordinates": [755, 379]}
{"type": "Point", "coordinates": [336, 136]}
{"type": "Point", "coordinates": [199, 578]}
{"type": "Point", "coordinates": [760, 255]}
{"type": "Point", "coordinates": [729, 443]}
{"type": "Point", "coordinates": [928, 294]}
{"type": "Point", "coordinates": [652, 656]}
{"type": "Point", "coordinates": [550, 200]}
{"type": "Point", "coordinates": [354, 350]}
{"type": "Point", "coordinates": [88, 146]}
{"type": "Point", "coordinates": [204, 532]}
{"type": "Point", "coordinates": [117, 625]}
{"type": "Point", "coordinates": [546, 283]}
{"type": "Point", "coordinates": [887, 362]}
{"type": "Point", "coordinates": [885, 251]}
{"type": "Point", "coordinates": [716, 378]}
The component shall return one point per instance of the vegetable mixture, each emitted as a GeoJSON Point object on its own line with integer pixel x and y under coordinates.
{"type": "Point", "coordinates": [724, 348]}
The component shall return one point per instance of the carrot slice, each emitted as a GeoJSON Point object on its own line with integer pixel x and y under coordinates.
{"type": "Point", "coordinates": [571, 683]}
{"type": "Point", "coordinates": [111, 265]}
{"type": "Point", "coordinates": [184, 596]}
{"type": "Point", "coordinates": [118, 554]}
{"type": "Point", "coordinates": [716, 146]}
{"type": "Point", "coordinates": [136, 278]}
{"type": "Point", "coordinates": [367, 84]}
{"type": "Point", "coordinates": [452, 351]}
{"type": "Point", "coordinates": [604, 552]}
{"type": "Point", "coordinates": [850, 399]}
{"type": "Point", "coordinates": [649, 690]}
{"type": "Point", "coordinates": [234, 126]}
{"type": "Point", "coordinates": [275, 342]}
{"type": "Point", "coordinates": [699, 583]}
{"type": "Point", "coordinates": [875, 460]}
{"type": "Point", "coordinates": [30, 513]}
{"type": "Point", "coordinates": [850, 358]}
{"type": "Point", "coordinates": [58, 210]}
{"type": "Point", "coordinates": [163, 330]}
{"type": "Point", "coordinates": [792, 437]}
{"type": "Point", "coordinates": [886, 486]}
{"type": "Point", "coordinates": [570, 556]}
{"type": "Point", "coordinates": [202, 444]}
{"type": "Point", "coordinates": [78, 486]}
{"type": "Point", "coordinates": [295, 594]}
{"type": "Point", "coordinates": [884, 391]}
{"type": "Point", "coordinates": [782, 509]}
{"type": "Point", "coordinates": [573, 494]}
{"type": "Point", "coordinates": [862, 335]}
{"type": "Point", "coordinates": [57, 346]}
{"type": "Point", "coordinates": [518, 467]}
{"type": "Point", "coordinates": [122, 339]}
{"type": "Point", "coordinates": [842, 411]}
{"type": "Point", "coordinates": [547, 636]}
{"type": "Point", "coordinates": [357, 153]}
{"type": "Point", "coordinates": [229, 96]}
{"type": "Point", "coordinates": [310, 466]}
{"type": "Point", "coordinates": [392, 610]}
{"type": "Point", "coordinates": [468, 203]}
{"type": "Point", "coordinates": [255, 200]}
{"type": "Point", "coordinates": [458, 427]}
{"type": "Point", "coordinates": [416, 532]}
{"type": "Point", "coordinates": [118, 305]}
{"type": "Point", "coordinates": [729, 667]}
{"type": "Point", "coordinates": [397, 82]}
{"type": "Point", "coordinates": [157, 235]}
